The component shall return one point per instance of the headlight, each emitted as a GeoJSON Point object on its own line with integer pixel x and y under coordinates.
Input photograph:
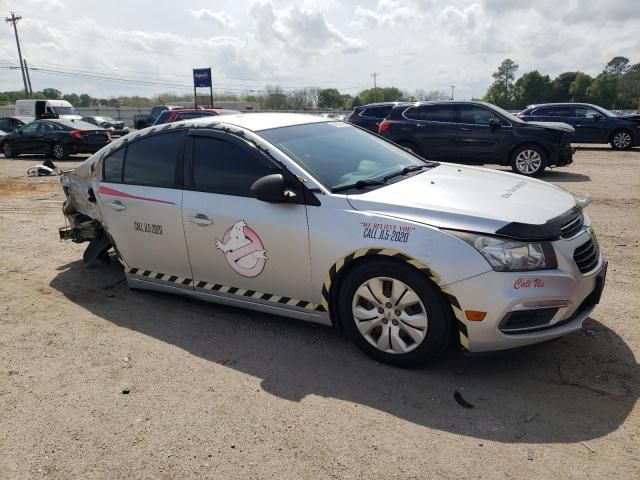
{"type": "Point", "coordinates": [505, 255]}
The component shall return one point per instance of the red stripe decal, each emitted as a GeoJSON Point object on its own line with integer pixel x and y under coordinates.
{"type": "Point", "coordinates": [117, 193]}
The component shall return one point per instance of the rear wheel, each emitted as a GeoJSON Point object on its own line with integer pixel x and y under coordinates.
{"type": "Point", "coordinates": [393, 313]}
{"type": "Point", "coordinates": [58, 151]}
{"type": "Point", "coordinates": [621, 140]}
{"type": "Point", "coordinates": [529, 160]}
{"type": "Point", "coordinates": [8, 151]}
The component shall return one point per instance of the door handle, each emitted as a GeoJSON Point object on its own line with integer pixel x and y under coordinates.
{"type": "Point", "coordinates": [419, 125]}
{"type": "Point", "coordinates": [201, 220]}
{"type": "Point", "coordinates": [465, 129]}
{"type": "Point", "coordinates": [117, 206]}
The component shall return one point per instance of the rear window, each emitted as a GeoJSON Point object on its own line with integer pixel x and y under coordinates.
{"type": "Point", "coordinates": [151, 161]}
{"type": "Point", "coordinates": [377, 112]}
{"type": "Point", "coordinates": [188, 115]}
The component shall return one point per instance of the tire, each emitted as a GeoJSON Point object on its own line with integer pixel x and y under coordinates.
{"type": "Point", "coordinates": [415, 320]}
{"type": "Point", "coordinates": [7, 150]}
{"type": "Point", "coordinates": [58, 151]}
{"type": "Point", "coordinates": [529, 160]}
{"type": "Point", "coordinates": [621, 140]}
{"type": "Point", "coordinates": [411, 147]}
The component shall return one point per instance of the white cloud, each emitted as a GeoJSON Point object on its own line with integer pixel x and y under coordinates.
{"type": "Point", "coordinates": [386, 14]}
{"type": "Point", "coordinates": [222, 19]}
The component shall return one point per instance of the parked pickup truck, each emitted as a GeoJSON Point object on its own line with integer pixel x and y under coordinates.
{"type": "Point", "coordinates": [143, 120]}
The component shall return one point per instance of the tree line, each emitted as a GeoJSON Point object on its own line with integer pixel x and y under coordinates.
{"type": "Point", "coordinates": [616, 87]}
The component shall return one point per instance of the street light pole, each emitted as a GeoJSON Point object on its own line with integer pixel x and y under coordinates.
{"type": "Point", "coordinates": [453, 87]}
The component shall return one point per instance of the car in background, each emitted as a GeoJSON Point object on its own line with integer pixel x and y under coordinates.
{"type": "Point", "coordinates": [116, 128]}
{"type": "Point", "coordinates": [178, 114]}
{"type": "Point", "coordinates": [55, 138]}
{"type": "Point", "coordinates": [9, 124]}
{"type": "Point", "coordinates": [334, 116]}
{"type": "Point", "coordinates": [322, 221]}
{"type": "Point", "coordinates": [478, 133]}
{"type": "Point", "coordinates": [143, 120]}
{"type": "Point", "coordinates": [369, 116]}
{"type": "Point", "coordinates": [593, 124]}
{"type": "Point", "coordinates": [46, 109]}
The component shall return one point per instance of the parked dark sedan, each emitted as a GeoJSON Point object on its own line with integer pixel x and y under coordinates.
{"type": "Point", "coordinates": [478, 133]}
{"type": "Point", "coordinates": [593, 124]}
{"type": "Point", "coordinates": [116, 128]}
{"type": "Point", "coordinates": [56, 138]}
{"type": "Point", "coordinates": [369, 116]}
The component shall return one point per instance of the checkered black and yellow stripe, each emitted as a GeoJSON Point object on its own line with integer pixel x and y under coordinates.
{"type": "Point", "coordinates": [215, 287]}
{"type": "Point", "coordinates": [391, 253]}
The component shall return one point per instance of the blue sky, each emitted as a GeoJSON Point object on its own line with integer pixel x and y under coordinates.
{"type": "Point", "coordinates": [412, 44]}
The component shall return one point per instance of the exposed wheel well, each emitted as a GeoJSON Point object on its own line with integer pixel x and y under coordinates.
{"type": "Point", "coordinates": [344, 272]}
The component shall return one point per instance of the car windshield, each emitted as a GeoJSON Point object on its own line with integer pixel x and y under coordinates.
{"type": "Point", "coordinates": [338, 154]}
{"type": "Point", "coordinates": [65, 110]}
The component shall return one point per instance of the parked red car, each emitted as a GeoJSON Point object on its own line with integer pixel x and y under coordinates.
{"type": "Point", "coordinates": [178, 114]}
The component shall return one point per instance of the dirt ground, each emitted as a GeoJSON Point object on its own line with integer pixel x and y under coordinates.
{"type": "Point", "coordinates": [219, 392]}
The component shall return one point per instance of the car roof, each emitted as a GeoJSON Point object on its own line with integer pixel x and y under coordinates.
{"type": "Point", "coordinates": [561, 104]}
{"type": "Point", "coordinates": [69, 123]}
{"type": "Point", "coordinates": [22, 119]}
{"type": "Point", "coordinates": [382, 104]}
{"type": "Point", "coordinates": [261, 121]}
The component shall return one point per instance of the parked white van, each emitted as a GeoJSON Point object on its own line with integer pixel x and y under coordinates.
{"type": "Point", "coordinates": [46, 108]}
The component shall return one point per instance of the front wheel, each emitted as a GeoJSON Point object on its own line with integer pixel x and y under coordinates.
{"type": "Point", "coordinates": [58, 151]}
{"type": "Point", "coordinates": [621, 140]}
{"type": "Point", "coordinates": [8, 151]}
{"type": "Point", "coordinates": [393, 313]}
{"type": "Point", "coordinates": [529, 160]}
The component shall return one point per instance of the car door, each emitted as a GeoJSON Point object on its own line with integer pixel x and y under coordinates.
{"type": "Point", "coordinates": [44, 138]}
{"type": "Point", "coordinates": [478, 140]}
{"type": "Point", "coordinates": [140, 199]}
{"type": "Point", "coordinates": [434, 130]}
{"type": "Point", "coordinates": [26, 140]}
{"type": "Point", "coordinates": [239, 245]}
{"type": "Point", "coordinates": [590, 124]}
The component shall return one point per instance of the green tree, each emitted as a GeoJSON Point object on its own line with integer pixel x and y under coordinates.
{"type": "Point", "coordinates": [356, 102]}
{"type": "Point", "coordinates": [532, 87]}
{"type": "Point", "coordinates": [629, 88]}
{"type": "Point", "coordinates": [603, 90]}
{"type": "Point", "coordinates": [617, 66]}
{"type": "Point", "coordinates": [72, 98]}
{"type": "Point", "coordinates": [387, 94]}
{"type": "Point", "coordinates": [4, 99]}
{"type": "Point", "coordinates": [561, 85]}
{"type": "Point", "coordinates": [85, 100]}
{"type": "Point", "coordinates": [39, 96]}
{"type": "Point", "coordinates": [579, 88]}
{"type": "Point", "coordinates": [52, 93]}
{"type": "Point", "coordinates": [502, 90]}
{"type": "Point", "coordinates": [330, 98]}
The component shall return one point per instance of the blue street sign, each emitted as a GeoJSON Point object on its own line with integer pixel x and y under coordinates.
{"type": "Point", "coordinates": [202, 77]}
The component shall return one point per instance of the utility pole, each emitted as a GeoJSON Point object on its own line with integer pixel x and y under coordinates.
{"type": "Point", "coordinates": [453, 87]}
{"type": "Point", "coordinates": [26, 71]}
{"type": "Point", "coordinates": [375, 85]}
{"type": "Point", "coordinates": [14, 19]}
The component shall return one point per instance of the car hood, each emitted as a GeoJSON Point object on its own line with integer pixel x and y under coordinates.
{"type": "Point", "coordinates": [633, 117]}
{"type": "Point", "coordinates": [468, 198]}
{"type": "Point", "coordinates": [563, 127]}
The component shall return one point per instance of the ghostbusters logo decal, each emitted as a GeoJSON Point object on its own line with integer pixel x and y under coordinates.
{"type": "Point", "coordinates": [243, 250]}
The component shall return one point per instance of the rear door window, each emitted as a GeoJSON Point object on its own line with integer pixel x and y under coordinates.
{"type": "Point", "coordinates": [555, 112]}
{"type": "Point", "coordinates": [432, 113]}
{"type": "Point", "coordinates": [475, 115]}
{"type": "Point", "coordinates": [152, 160]}
{"type": "Point", "coordinates": [377, 112]}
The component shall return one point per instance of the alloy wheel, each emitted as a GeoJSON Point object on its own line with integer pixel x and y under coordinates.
{"type": "Point", "coordinates": [622, 140]}
{"type": "Point", "coordinates": [389, 315]}
{"type": "Point", "coordinates": [58, 151]}
{"type": "Point", "coordinates": [6, 149]}
{"type": "Point", "coordinates": [528, 161]}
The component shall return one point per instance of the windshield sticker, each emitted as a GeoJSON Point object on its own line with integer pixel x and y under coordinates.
{"type": "Point", "coordinates": [243, 250]}
{"type": "Point", "coordinates": [147, 228]}
{"type": "Point", "coordinates": [528, 283]}
{"type": "Point", "coordinates": [386, 231]}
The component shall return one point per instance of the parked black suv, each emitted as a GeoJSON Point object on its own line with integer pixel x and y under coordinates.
{"type": "Point", "coordinates": [593, 124]}
{"type": "Point", "coordinates": [478, 133]}
{"type": "Point", "coordinates": [369, 116]}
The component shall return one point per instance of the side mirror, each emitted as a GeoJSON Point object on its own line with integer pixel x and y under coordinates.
{"type": "Point", "coordinates": [272, 189]}
{"type": "Point", "coordinates": [494, 123]}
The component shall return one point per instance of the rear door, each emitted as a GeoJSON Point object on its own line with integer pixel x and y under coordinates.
{"type": "Point", "coordinates": [140, 199]}
{"type": "Point", "coordinates": [479, 142]}
{"type": "Point", "coordinates": [434, 130]}
{"type": "Point", "coordinates": [239, 245]}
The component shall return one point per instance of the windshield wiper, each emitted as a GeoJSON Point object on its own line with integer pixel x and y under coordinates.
{"type": "Point", "coordinates": [405, 171]}
{"type": "Point", "coordinates": [359, 185]}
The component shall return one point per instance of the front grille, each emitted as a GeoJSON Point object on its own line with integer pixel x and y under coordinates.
{"type": "Point", "coordinates": [573, 227]}
{"type": "Point", "coordinates": [586, 256]}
